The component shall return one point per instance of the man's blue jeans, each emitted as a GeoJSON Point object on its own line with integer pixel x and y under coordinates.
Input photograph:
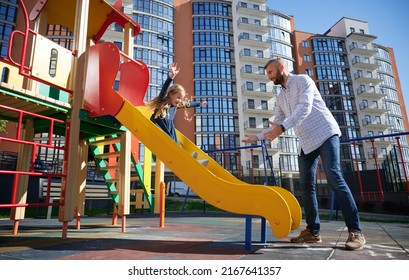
{"type": "Point", "coordinates": [330, 157]}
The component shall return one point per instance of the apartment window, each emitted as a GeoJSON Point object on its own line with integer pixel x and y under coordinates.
{"type": "Point", "coordinates": [361, 31]}
{"type": "Point", "coordinates": [305, 44]}
{"type": "Point", "coordinates": [247, 52]}
{"type": "Point", "coordinates": [257, 22]}
{"type": "Point", "coordinates": [263, 87]}
{"type": "Point", "coordinates": [259, 38]}
{"type": "Point", "coordinates": [260, 54]}
{"type": "Point", "coordinates": [252, 122]}
{"type": "Point", "coordinates": [248, 69]}
{"type": "Point", "coordinates": [378, 119]}
{"type": "Point", "coordinates": [370, 133]}
{"type": "Point", "coordinates": [118, 44]}
{"type": "Point", "coordinates": [264, 105]}
{"type": "Point", "coordinates": [250, 103]}
{"type": "Point", "coordinates": [375, 104]}
{"type": "Point", "coordinates": [367, 118]}
{"type": "Point", "coordinates": [307, 57]}
{"type": "Point", "coordinates": [256, 161]}
{"type": "Point", "coordinates": [249, 86]}
{"type": "Point", "coordinates": [368, 74]}
{"type": "Point", "coordinates": [244, 20]}
{"type": "Point", "coordinates": [266, 123]}
{"type": "Point", "coordinates": [352, 30]}
{"type": "Point", "coordinates": [308, 72]}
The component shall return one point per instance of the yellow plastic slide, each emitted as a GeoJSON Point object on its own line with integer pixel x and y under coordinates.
{"type": "Point", "coordinates": [213, 183]}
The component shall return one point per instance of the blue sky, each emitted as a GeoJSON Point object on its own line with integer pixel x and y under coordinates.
{"type": "Point", "coordinates": [388, 20]}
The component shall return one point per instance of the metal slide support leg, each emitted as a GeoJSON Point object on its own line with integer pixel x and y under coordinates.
{"type": "Point", "coordinates": [263, 230]}
{"type": "Point", "coordinates": [247, 245]}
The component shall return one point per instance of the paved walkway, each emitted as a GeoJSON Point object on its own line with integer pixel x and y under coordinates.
{"type": "Point", "coordinates": [195, 236]}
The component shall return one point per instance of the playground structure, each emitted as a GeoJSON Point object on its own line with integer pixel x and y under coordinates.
{"type": "Point", "coordinates": [95, 115]}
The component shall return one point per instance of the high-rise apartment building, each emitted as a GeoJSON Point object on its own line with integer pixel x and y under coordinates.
{"type": "Point", "coordinates": [262, 34]}
{"type": "Point", "coordinates": [222, 47]}
{"type": "Point", "coordinates": [214, 75]}
{"type": "Point", "coordinates": [359, 82]}
{"type": "Point", "coordinates": [325, 59]}
{"type": "Point", "coordinates": [232, 40]}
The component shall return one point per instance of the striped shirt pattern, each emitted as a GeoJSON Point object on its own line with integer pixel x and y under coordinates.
{"type": "Point", "coordinates": [300, 106]}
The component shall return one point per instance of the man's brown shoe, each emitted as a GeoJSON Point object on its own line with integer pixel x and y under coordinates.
{"type": "Point", "coordinates": [306, 236]}
{"type": "Point", "coordinates": [356, 240]}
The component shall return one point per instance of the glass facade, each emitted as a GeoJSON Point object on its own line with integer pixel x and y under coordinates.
{"type": "Point", "coordinates": [155, 43]}
{"type": "Point", "coordinates": [280, 36]}
{"type": "Point", "coordinates": [388, 88]}
{"type": "Point", "coordinates": [214, 76]}
{"type": "Point", "coordinates": [393, 116]}
{"type": "Point", "coordinates": [335, 84]}
{"type": "Point", "coordinates": [8, 11]}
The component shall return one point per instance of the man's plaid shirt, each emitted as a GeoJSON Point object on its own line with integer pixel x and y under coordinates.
{"type": "Point", "coordinates": [300, 106]}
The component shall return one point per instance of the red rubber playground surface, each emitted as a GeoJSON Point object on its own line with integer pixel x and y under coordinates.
{"type": "Point", "coordinates": [195, 236]}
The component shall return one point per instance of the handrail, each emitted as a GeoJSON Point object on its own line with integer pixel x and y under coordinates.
{"type": "Point", "coordinates": [21, 65]}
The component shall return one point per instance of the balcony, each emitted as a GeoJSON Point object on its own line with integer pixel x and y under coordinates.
{"type": "Point", "coordinates": [361, 37]}
{"type": "Point", "coordinates": [253, 25]}
{"type": "Point", "coordinates": [372, 156]}
{"type": "Point", "coordinates": [259, 1]}
{"type": "Point", "coordinates": [366, 78]}
{"type": "Point", "coordinates": [367, 64]}
{"type": "Point", "coordinates": [253, 127]}
{"type": "Point", "coordinates": [269, 92]}
{"type": "Point", "coordinates": [384, 141]}
{"type": "Point", "coordinates": [260, 110]}
{"type": "Point", "coordinates": [252, 56]}
{"type": "Point", "coordinates": [251, 10]}
{"type": "Point", "coordinates": [361, 50]}
{"type": "Point", "coordinates": [370, 93]}
{"type": "Point", "coordinates": [253, 40]}
{"type": "Point", "coordinates": [253, 73]}
{"type": "Point", "coordinates": [372, 109]}
{"type": "Point", "coordinates": [369, 124]}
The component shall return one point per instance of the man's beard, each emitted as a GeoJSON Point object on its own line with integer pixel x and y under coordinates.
{"type": "Point", "coordinates": [279, 80]}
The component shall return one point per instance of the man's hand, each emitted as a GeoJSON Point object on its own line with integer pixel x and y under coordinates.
{"type": "Point", "coordinates": [274, 131]}
{"type": "Point", "coordinates": [250, 138]}
{"type": "Point", "coordinates": [271, 134]}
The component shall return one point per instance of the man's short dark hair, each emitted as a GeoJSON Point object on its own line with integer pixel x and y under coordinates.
{"type": "Point", "coordinates": [276, 60]}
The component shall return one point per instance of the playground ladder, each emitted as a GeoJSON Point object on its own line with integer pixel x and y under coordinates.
{"type": "Point", "coordinates": [106, 151]}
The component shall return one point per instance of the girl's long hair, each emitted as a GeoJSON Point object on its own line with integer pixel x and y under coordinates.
{"type": "Point", "coordinates": [161, 105]}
